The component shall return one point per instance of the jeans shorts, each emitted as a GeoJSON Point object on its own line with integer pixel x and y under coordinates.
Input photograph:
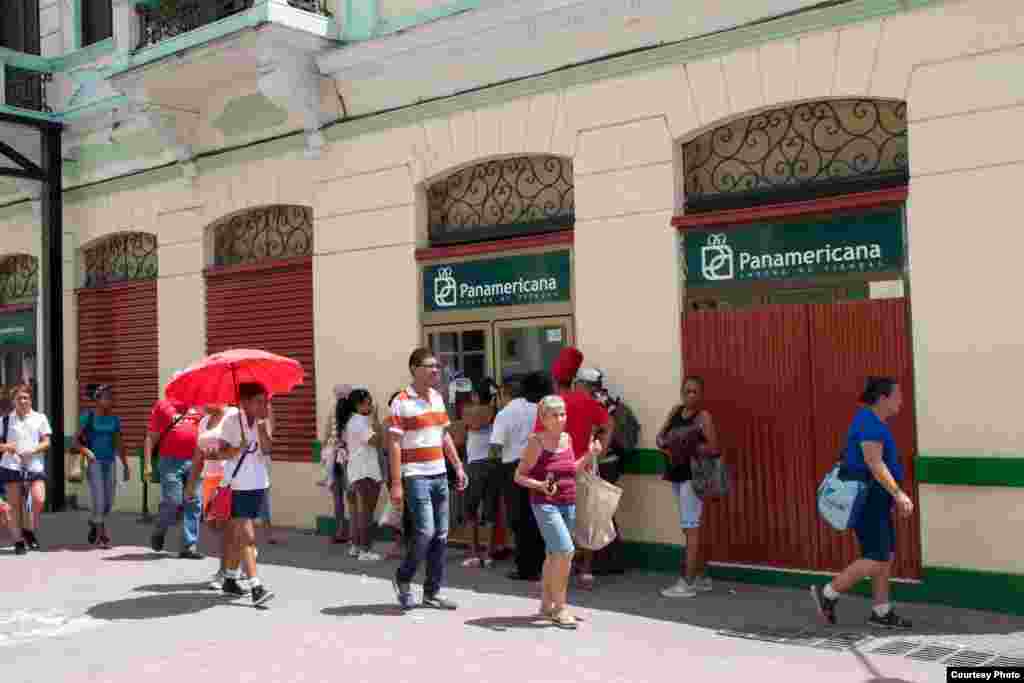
{"type": "Point", "coordinates": [875, 530]}
{"type": "Point", "coordinates": [19, 476]}
{"type": "Point", "coordinates": [691, 506]}
{"type": "Point", "coordinates": [247, 504]}
{"type": "Point", "coordinates": [265, 507]}
{"type": "Point", "coordinates": [556, 524]}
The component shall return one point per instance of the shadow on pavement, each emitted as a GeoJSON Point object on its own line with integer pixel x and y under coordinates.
{"type": "Point", "coordinates": [505, 623]}
{"type": "Point", "coordinates": [876, 675]}
{"type": "Point", "coordinates": [156, 606]}
{"type": "Point", "coordinates": [175, 588]}
{"type": "Point", "coordinates": [137, 557]}
{"type": "Point", "coordinates": [378, 610]}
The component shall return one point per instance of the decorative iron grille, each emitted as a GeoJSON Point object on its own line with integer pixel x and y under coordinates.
{"type": "Point", "coordinates": [169, 18]}
{"type": "Point", "coordinates": [502, 198]}
{"type": "Point", "coordinates": [19, 279]}
{"type": "Point", "coordinates": [130, 256]}
{"type": "Point", "coordinates": [273, 232]}
{"type": "Point", "coordinates": [808, 150]}
{"type": "Point", "coordinates": [23, 88]}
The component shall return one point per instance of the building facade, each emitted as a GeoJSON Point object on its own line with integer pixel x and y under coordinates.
{"type": "Point", "coordinates": [771, 195]}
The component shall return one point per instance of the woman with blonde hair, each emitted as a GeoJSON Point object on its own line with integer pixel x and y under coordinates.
{"type": "Point", "coordinates": [24, 440]}
{"type": "Point", "coordinates": [548, 468]}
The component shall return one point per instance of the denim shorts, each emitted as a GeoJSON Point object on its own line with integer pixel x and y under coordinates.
{"type": "Point", "coordinates": [875, 530]}
{"type": "Point", "coordinates": [19, 476]}
{"type": "Point", "coordinates": [690, 505]}
{"type": "Point", "coordinates": [556, 524]}
{"type": "Point", "coordinates": [247, 504]}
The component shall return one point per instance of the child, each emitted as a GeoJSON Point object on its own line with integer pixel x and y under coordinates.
{"type": "Point", "coordinates": [356, 429]}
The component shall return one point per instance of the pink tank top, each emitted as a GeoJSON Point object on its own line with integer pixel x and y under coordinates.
{"type": "Point", "coordinates": [562, 465]}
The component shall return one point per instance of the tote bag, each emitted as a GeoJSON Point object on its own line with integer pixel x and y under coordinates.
{"type": "Point", "coordinates": [841, 498]}
{"type": "Point", "coordinates": [596, 503]}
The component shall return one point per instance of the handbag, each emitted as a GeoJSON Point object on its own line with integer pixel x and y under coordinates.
{"type": "Point", "coordinates": [218, 508]}
{"type": "Point", "coordinates": [841, 497]}
{"type": "Point", "coordinates": [710, 476]}
{"type": "Point", "coordinates": [596, 503]}
{"type": "Point", "coordinates": [74, 459]}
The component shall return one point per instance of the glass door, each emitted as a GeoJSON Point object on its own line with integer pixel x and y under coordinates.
{"type": "Point", "coordinates": [525, 346]}
{"type": "Point", "coordinates": [462, 350]}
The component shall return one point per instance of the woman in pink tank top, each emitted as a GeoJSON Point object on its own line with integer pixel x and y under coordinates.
{"type": "Point", "coordinates": [548, 468]}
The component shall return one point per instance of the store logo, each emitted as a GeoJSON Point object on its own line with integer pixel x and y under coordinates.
{"type": "Point", "coordinates": [445, 289]}
{"type": "Point", "coordinates": [716, 259]}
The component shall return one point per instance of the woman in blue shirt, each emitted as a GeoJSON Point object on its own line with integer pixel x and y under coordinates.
{"type": "Point", "coordinates": [100, 443]}
{"type": "Point", "coordinates": [871, 455]}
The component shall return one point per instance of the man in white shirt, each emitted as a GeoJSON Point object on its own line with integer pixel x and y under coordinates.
{"type": "Point", "coordinates": [23, 445]}
{"type": "Point", "coordinates": [509, 436]}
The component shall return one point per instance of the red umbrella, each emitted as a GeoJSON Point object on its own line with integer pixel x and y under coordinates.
{"type": "Point", "coordinates": [215, 379]}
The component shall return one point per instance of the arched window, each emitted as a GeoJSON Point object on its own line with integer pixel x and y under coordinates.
{"type": "Point", "coordinates": [121, 258]}
{"type": "Point", "coordinates": [262, 234]}
{"type": "Point", "coordinates": [19, 279]}
{"type": "Point", "coordinates": [801, 152]}
{"type": "Point", "coordinates": [502, 198]}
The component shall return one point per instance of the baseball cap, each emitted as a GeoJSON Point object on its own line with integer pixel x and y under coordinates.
{"type": "Point", "coordinates": [590, 376]}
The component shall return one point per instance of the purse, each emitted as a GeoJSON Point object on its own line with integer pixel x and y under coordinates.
{"type": "Point", "coordinates": [710, 476]}
{"type": "Point", "coordinates": [218, 509]}
{"type": "Point", "coordinates": [596, 503]}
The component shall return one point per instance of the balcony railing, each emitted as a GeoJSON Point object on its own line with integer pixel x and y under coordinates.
{"type": "Point", "coordinates": [159, 21]}
{"type": "Point", "coordinates": [23, 88]}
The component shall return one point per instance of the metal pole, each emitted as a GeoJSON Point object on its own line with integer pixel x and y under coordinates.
{"type": "Point", "coordinates": [52, 300]}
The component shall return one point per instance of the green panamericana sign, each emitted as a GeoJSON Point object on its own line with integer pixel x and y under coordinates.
{"type": "Point", "coordinates": [509, 281]}
{"type": "Point", "coordinates": [841, 244]}
{"type": "Point", "coordinates": [18, 328]}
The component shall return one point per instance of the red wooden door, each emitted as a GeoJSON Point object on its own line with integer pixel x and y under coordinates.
{"type": "Point", "coordinates": [782, 383]}
{"type": "Point", "coordinates": [270, 307]}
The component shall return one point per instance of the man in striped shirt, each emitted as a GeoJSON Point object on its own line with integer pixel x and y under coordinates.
{"type": "Point", "coordinates": [420, 442]}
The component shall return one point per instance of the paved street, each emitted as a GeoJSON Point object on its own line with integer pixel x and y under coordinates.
{"type": "Point", "coordinates": [76, 614]}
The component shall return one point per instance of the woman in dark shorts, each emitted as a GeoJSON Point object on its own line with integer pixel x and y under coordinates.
{"type": "Point", "coordinates": [23, 446]}
{"type": "Point", "coordinates": [871, 455]}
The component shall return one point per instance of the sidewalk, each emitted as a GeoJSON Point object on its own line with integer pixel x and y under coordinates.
{"type": "Point", "coordinates": [83, 614]}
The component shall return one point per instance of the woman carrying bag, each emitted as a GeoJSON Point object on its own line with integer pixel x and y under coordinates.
{"type": "Point", "coordinates": [100, 443]}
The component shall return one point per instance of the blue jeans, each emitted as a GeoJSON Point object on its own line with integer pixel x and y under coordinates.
{"type": "Point", "coordinates": [426, 502]}
{"type": "Point", "coordinates": [102, 487]}
{"type": "Point", "coordinates": [173, 476]}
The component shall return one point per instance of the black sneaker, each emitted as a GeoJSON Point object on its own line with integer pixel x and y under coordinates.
{"type": "Point", "coordinates": [260, 595]}
{"type": "Point", "coordinates": [438, 602]}
{"type": "Point", "coordinates": [20, 549]}
{"type": "Point", "coordinates": [890, 620]}
{"type": "Point", "coordinates": [94, 532]}
{"type": "Point", "coordinates": [190, 553]}
{"type": "Point", "coordinates": [156, 542]}
{"type": "Point", "coordinates": [236, 588]}
{"type": "Point", "coordinates": [405, 599]}
{"type": "Point", "coordinates": [826, 607]}
{"type": "Point", "coordinates": [30, 539]}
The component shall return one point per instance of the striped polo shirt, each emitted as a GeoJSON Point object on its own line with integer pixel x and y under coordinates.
{"type": "Point", "coordinates": [420, 422]}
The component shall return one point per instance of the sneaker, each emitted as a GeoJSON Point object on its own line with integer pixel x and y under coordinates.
{"type": "Point", "coordinates": [826, 607]}
{"type": "Point", "coordinates": [438, 602]}
{"type": "Point", "coordinates": [404, 595]}
{"type": "Point", "coordinates": [190, 553]}
{"type": "Point", "coordinates": [260, 594]}
{"type": "Point", "coordinates": [236, 587]}
{"type": "Point", "coordinates": [30, 539]}
{"type": "Point", "coordinates": [217, 582]}
{"type": "Point", "coordinates": [681, 589]}
{"type": "Point", "coordinates": [20, 549]}
{"type": "Point", "coordinates": [354, 551]}
{"type": "Point", "coordinates": [104, 542]}
{"type": "Point", "coordinates": [156, 542]}
{"type": "Point", "coordinates": [890, 620]}
{"type": "Point", "coordinates": [94, 533]}
{"type": "Point", "coordinates": [702, 584]}
{"type": "Point", "coordinates": [369, 556]}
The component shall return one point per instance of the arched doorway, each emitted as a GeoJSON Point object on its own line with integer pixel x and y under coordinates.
{"type": "Point", "coordinates": [794, 247]}
{"type": "Point", "coordinates": [117, 328]}
{"type": "Point", "coordinates": [259, 294]}
{"type": "Point", "coordinates": [19, 289]}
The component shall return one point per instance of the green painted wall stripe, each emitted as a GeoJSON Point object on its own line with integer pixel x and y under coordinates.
{"type": "Point", "coordinates": [970, 471]}
{"type": "Point", "coordinates": [966, 588]}
{"type": "Point", "coordinates": [645, 461]}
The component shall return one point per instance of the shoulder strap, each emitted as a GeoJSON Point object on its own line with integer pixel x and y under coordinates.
{"type": "Point", "coordinates": [242, 459]}
{"type": "Point", "coordinates": [7, 425]}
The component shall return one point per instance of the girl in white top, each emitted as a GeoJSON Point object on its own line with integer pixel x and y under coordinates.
{"type": "Point", "coordinates": [356, 430]}
{"type": "Point", "coordinates": [24, 444]}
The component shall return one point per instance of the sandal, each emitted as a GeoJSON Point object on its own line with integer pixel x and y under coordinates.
{"type": "Point", "coordinates": [563, 619]}
{"type": "Point", "coordinates": [472, 563]}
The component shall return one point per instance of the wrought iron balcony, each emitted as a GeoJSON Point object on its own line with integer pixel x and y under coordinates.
{"type": "Point", "coordinates": [159, 21]}
{"type": "Point", "coordinates": [23, 88]}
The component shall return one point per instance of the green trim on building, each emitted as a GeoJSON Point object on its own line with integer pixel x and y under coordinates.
{"type": "Point", "coordinates": [83, 55]}
{"type": "Point", "coordinates": [965, 588]}
{"type": "Point", "coordinates": [317, 449]}
{"type": "Point", "coordinates": [970, 470]}
{"type": "Point", "coordinates": [645, 461]}
{"type": "Point", "coordinates": [361, 20]}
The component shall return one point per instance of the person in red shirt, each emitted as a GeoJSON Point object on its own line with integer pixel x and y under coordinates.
{"type": "Point", "coordinates": [585, 419]}
{"type": "Point", "coordinates": [173, 435]}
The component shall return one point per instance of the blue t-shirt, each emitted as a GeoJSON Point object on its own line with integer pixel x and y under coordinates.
{"type": "Point", "coordinates": [101, 435]}
{"type": "Point", "coordinates": [867, 427]}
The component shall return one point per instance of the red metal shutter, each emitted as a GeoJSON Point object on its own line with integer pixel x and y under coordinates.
{"type": "Point", "coordinates": [117, 344]}
{"type": "Point", "coordinates": [270, 307]}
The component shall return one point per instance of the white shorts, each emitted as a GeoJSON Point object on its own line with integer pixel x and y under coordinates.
{"type": "Point", "coordinates": [690, 505]}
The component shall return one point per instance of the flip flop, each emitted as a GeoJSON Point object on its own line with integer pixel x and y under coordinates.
{"type": "Point", "coordinates": [565, 620]}
{"type": "Point", "coordinates": [472, 563]}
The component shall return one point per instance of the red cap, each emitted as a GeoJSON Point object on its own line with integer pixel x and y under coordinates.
{"type": "Point", "coordinates": [565, 366]}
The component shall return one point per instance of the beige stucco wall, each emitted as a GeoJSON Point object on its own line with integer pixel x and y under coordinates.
{"type": "Point", "coordinates": [623, 134]}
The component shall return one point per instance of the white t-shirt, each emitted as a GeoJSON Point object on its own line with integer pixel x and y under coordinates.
{"type": "Point", "coordinates": [26, 434]}
{"type": "Point", "coordinates": [478, 444]}
{"type": "Point", "coordinates": [209, 439]}
{"type": "Point", "coordinates": [254, 475]}
{"type": "Point", "coordinates": [512, 428]}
